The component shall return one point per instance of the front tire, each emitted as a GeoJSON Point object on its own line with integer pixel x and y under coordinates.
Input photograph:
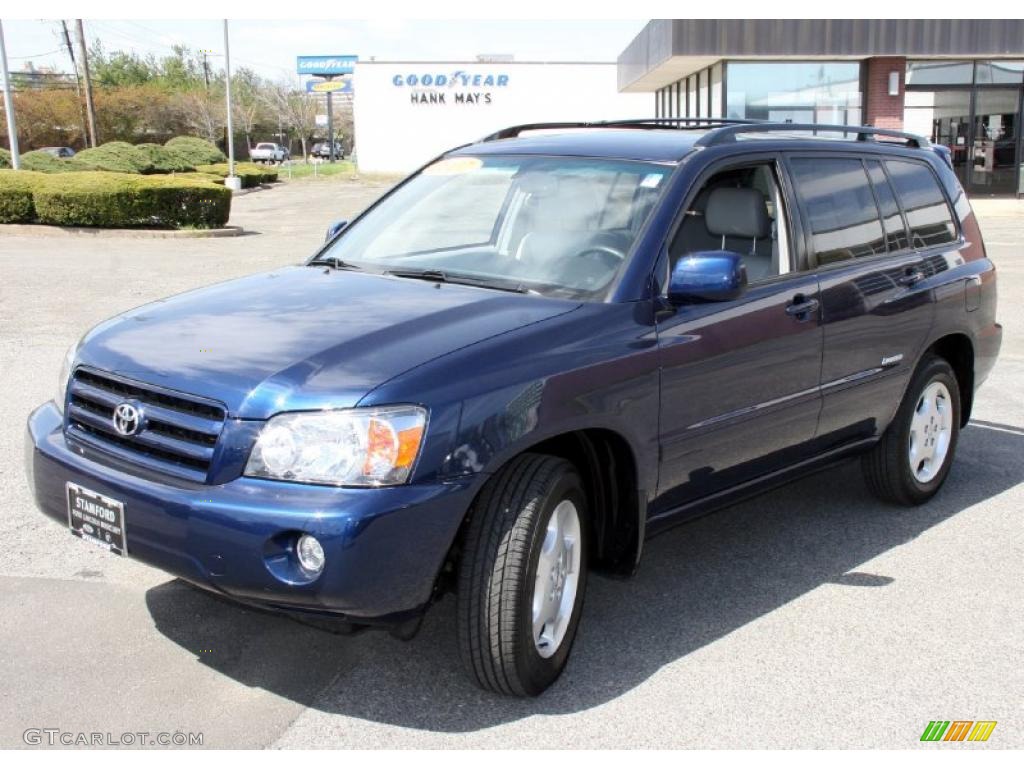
{"type": "Point", "coordinates": [522, 575]}
{"type": "Point", "coordinates": [911, 461]}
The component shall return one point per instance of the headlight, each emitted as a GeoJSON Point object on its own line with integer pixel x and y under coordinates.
{"type": "Point", "coordinates": [64, 375]}
{"type": "Point", "coordinates": [360, 446]}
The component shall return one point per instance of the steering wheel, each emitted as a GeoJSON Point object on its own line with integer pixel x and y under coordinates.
{"type": "Point", "coordinates": [608, 248]}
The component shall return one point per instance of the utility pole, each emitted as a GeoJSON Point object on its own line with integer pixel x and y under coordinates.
{"type": "Point", "coordinates": [12, 128]}
{"type": "Point", "coordinates": [330, 125]}
{"type": "Point", "coordinates": [90, 108]}
{"type": "Point", "coordinates": [206, 71]}
{"type": "Point", "coordinates": [78, 82]}
{"type": "Point", "coordinates": [232, 182]}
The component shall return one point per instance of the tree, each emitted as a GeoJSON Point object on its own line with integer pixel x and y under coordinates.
{"type": "Point", "coordinates": [293, 109]}
{"type": "Point", "coordinates": [246, 104]}
{"type": "Point", "coordinates": [120, 68]}
{"type": "Point", "coordinates": [203, 112]}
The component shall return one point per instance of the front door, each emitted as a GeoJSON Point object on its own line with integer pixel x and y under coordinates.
{"type": "Point", "coordinates": [739, 391]}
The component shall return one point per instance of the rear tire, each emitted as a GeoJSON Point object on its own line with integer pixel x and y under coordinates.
{"type": "Point", "coordinates": [516, 629]}
{"type": "Point", "coordinates": [911, 461]}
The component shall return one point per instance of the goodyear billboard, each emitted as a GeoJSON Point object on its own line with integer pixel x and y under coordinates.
{"type": "Point", "coordinates": [326, 65]}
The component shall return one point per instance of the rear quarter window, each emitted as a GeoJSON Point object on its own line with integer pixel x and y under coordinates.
{"type": "Point", "coordinates": [928, 214]}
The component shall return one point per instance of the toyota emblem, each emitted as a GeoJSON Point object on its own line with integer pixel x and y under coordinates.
{"type": "Point", "coordinates": [127, 419]}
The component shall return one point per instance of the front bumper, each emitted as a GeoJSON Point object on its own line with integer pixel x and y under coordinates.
{"type": "Point", "coordinates": [384, 546]}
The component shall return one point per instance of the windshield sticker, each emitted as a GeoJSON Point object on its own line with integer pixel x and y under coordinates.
{"type": "Point", "coordinates": [651, 181]}
{"type": "Point", "coordinates": [453, 166]}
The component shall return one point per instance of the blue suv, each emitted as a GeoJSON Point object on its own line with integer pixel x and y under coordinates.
{"type": "Point", "coordinates": [528, 357]}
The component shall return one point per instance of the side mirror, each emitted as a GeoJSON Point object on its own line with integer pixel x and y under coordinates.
{"type": "Point", "coordinates": [334, 229]}
{"type": "Point", "coordinates": [707, 276]}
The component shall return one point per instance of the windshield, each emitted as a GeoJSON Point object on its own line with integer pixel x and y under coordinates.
{"type": "Point", "coordinates": [558, 226]}
{"type": "Point", "coordinates": [264, 146]}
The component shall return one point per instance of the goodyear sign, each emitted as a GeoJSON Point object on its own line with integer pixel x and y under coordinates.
{"type": "Point", "coordinates": [326, 65]}
{"type": "Point", "coordinates": [342, 85]}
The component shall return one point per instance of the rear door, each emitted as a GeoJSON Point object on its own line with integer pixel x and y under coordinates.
{"type": "Point", "coordinates": [876, 303]}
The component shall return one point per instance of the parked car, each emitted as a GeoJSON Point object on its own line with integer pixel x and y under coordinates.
{"type": "Point", "coordinates": [267, 152]}
{"type": "Point", "coordinates": [322, 149]}
{"type": "Point", "coordinates": [59, 151]}
{"type": "Point", "coordinates": [523, 361]}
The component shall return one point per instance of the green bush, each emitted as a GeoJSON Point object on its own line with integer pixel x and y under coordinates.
{"type": "Point", "coordinates": [195, 151]}
{"type": "Point", "coordinates": [5, 158]}
{"type": "Point", "coordinates": [252, 175]}
{"type": "Point", "coordinates": [118, 200]}
{"type": "Point", "coordinates": [16, 204]}
{"type": "Point", "coordinates": [116, 156]}
{"type": "Point", "coordinates": [164, 160]}
{"type": "Point", "coordinates": [214, 178]}
{"type": "Point", "coordinates": [37, 160]}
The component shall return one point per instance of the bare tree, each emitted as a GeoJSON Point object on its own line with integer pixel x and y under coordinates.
{"type": "Point", "coordinates": [246, 102]}
{"type": "Point", "coordinates": [204, 113]}
{"type": "Point", "coordinates": [294, 109]}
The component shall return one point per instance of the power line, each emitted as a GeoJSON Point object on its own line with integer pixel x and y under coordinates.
{"type": "Point", "coordinates": [36, 55]}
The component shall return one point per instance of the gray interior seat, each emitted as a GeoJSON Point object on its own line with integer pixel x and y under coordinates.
{"type": "Point", "coordinates": [738, 217]}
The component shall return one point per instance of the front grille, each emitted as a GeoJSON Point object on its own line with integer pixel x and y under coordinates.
{"type": "Point", "coordinates": [178, 435]}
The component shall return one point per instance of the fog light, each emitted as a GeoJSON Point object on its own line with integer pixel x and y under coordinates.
{"type": "Point", "coordinates": [310, 553]}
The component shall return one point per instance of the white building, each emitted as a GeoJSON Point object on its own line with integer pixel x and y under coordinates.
{"type": "Point", "coordinates": [407, 112]}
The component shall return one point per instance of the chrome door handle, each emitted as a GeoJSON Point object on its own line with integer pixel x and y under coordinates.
{"type": "Point", "coordinates": [801, 306]}
{"type": "Point", "coordinates": [911, 277]}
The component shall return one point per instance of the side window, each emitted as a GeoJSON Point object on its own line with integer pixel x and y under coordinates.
{"type": "Point", "coordinates": [739, 210]}
{"type": "Point", "coordinates": [841, 210]}
{"type": "Point", "coordinates": [928, 214]}
{"type": "Point", "coordinates": [892, 219]}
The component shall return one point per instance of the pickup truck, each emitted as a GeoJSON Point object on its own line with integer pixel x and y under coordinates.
{"type": "Point", "coordinates": [267, 152]}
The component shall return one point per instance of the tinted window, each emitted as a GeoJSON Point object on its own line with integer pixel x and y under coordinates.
{"type": "Point", "coordinates": [843, 215]}
{"type": "Point", "coordinates": [928, 214]}
{"type": "Point", "coordinates": [892, 220]}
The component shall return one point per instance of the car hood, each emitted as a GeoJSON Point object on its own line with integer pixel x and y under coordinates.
{"type": "Point", "coordinates": [302, 337]}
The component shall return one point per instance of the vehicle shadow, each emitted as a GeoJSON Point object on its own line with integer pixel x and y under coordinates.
{"type": "Point", "coordinates": [697, 583]}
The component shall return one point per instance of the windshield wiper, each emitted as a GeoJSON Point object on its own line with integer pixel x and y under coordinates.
{"type": "Point", "coordinates": [336, 263]}
{"type": "Point", "coordinates": [440, 276]}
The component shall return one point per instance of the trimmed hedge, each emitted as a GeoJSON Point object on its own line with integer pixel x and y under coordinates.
{"type": "Point", "coordinates": [115, 156]}
{"type": "Point", "coordinates": [37, 160]}
{"type": "Point", "coordinates": [214, 178]}
{"type": "Point", "coordinates": [115, 200]}
{"type": "Point", "coordinates": [195, 151]}
{"type": "Point", "coordinates": [16, 203]}
{"type": "Point", "coordinates": [164, 160]}
{"type": "Point", "coordinates": [252, 175]}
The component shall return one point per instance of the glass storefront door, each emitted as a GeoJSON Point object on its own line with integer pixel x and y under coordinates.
{"type": "Point", "coordinates": [974, 109]}
{"type": "Point", "coordinates": [945, 117]}
{"type": "Point", "coordinates": [995, 138]}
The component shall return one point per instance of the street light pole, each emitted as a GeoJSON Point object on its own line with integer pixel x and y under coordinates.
{"type": "Point", "coordinates": [231, 182]}
{"type": "Point", "coordinates": [12, 128]}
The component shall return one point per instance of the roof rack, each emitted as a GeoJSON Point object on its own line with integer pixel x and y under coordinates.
{"type": "Point", "coordinates": [729, 133]}
{"type": "Point", "coordinates": [720, 130]}
{"type": "Point", "coordinates": [650, 123]}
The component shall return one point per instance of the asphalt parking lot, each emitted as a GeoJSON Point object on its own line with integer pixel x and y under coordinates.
{"type": "Point", "coordinates": [810, 617]}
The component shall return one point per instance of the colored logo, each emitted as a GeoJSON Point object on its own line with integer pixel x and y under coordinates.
{"type": "Point", "coordinates": [958, 730]}
{"type": "Point", "coordinates": [326, 65]}
{"type": "Point", "coordinates": [331, 85]}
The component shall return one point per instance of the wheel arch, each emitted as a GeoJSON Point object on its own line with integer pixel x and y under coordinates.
{"type": "Point", "coordinates": [957, 349]}
{"type": "Point", "coordinates": [607, 464]}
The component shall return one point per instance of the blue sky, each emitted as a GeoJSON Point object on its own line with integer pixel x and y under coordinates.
{"type": "Point", "coordinates": [270, 47]}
